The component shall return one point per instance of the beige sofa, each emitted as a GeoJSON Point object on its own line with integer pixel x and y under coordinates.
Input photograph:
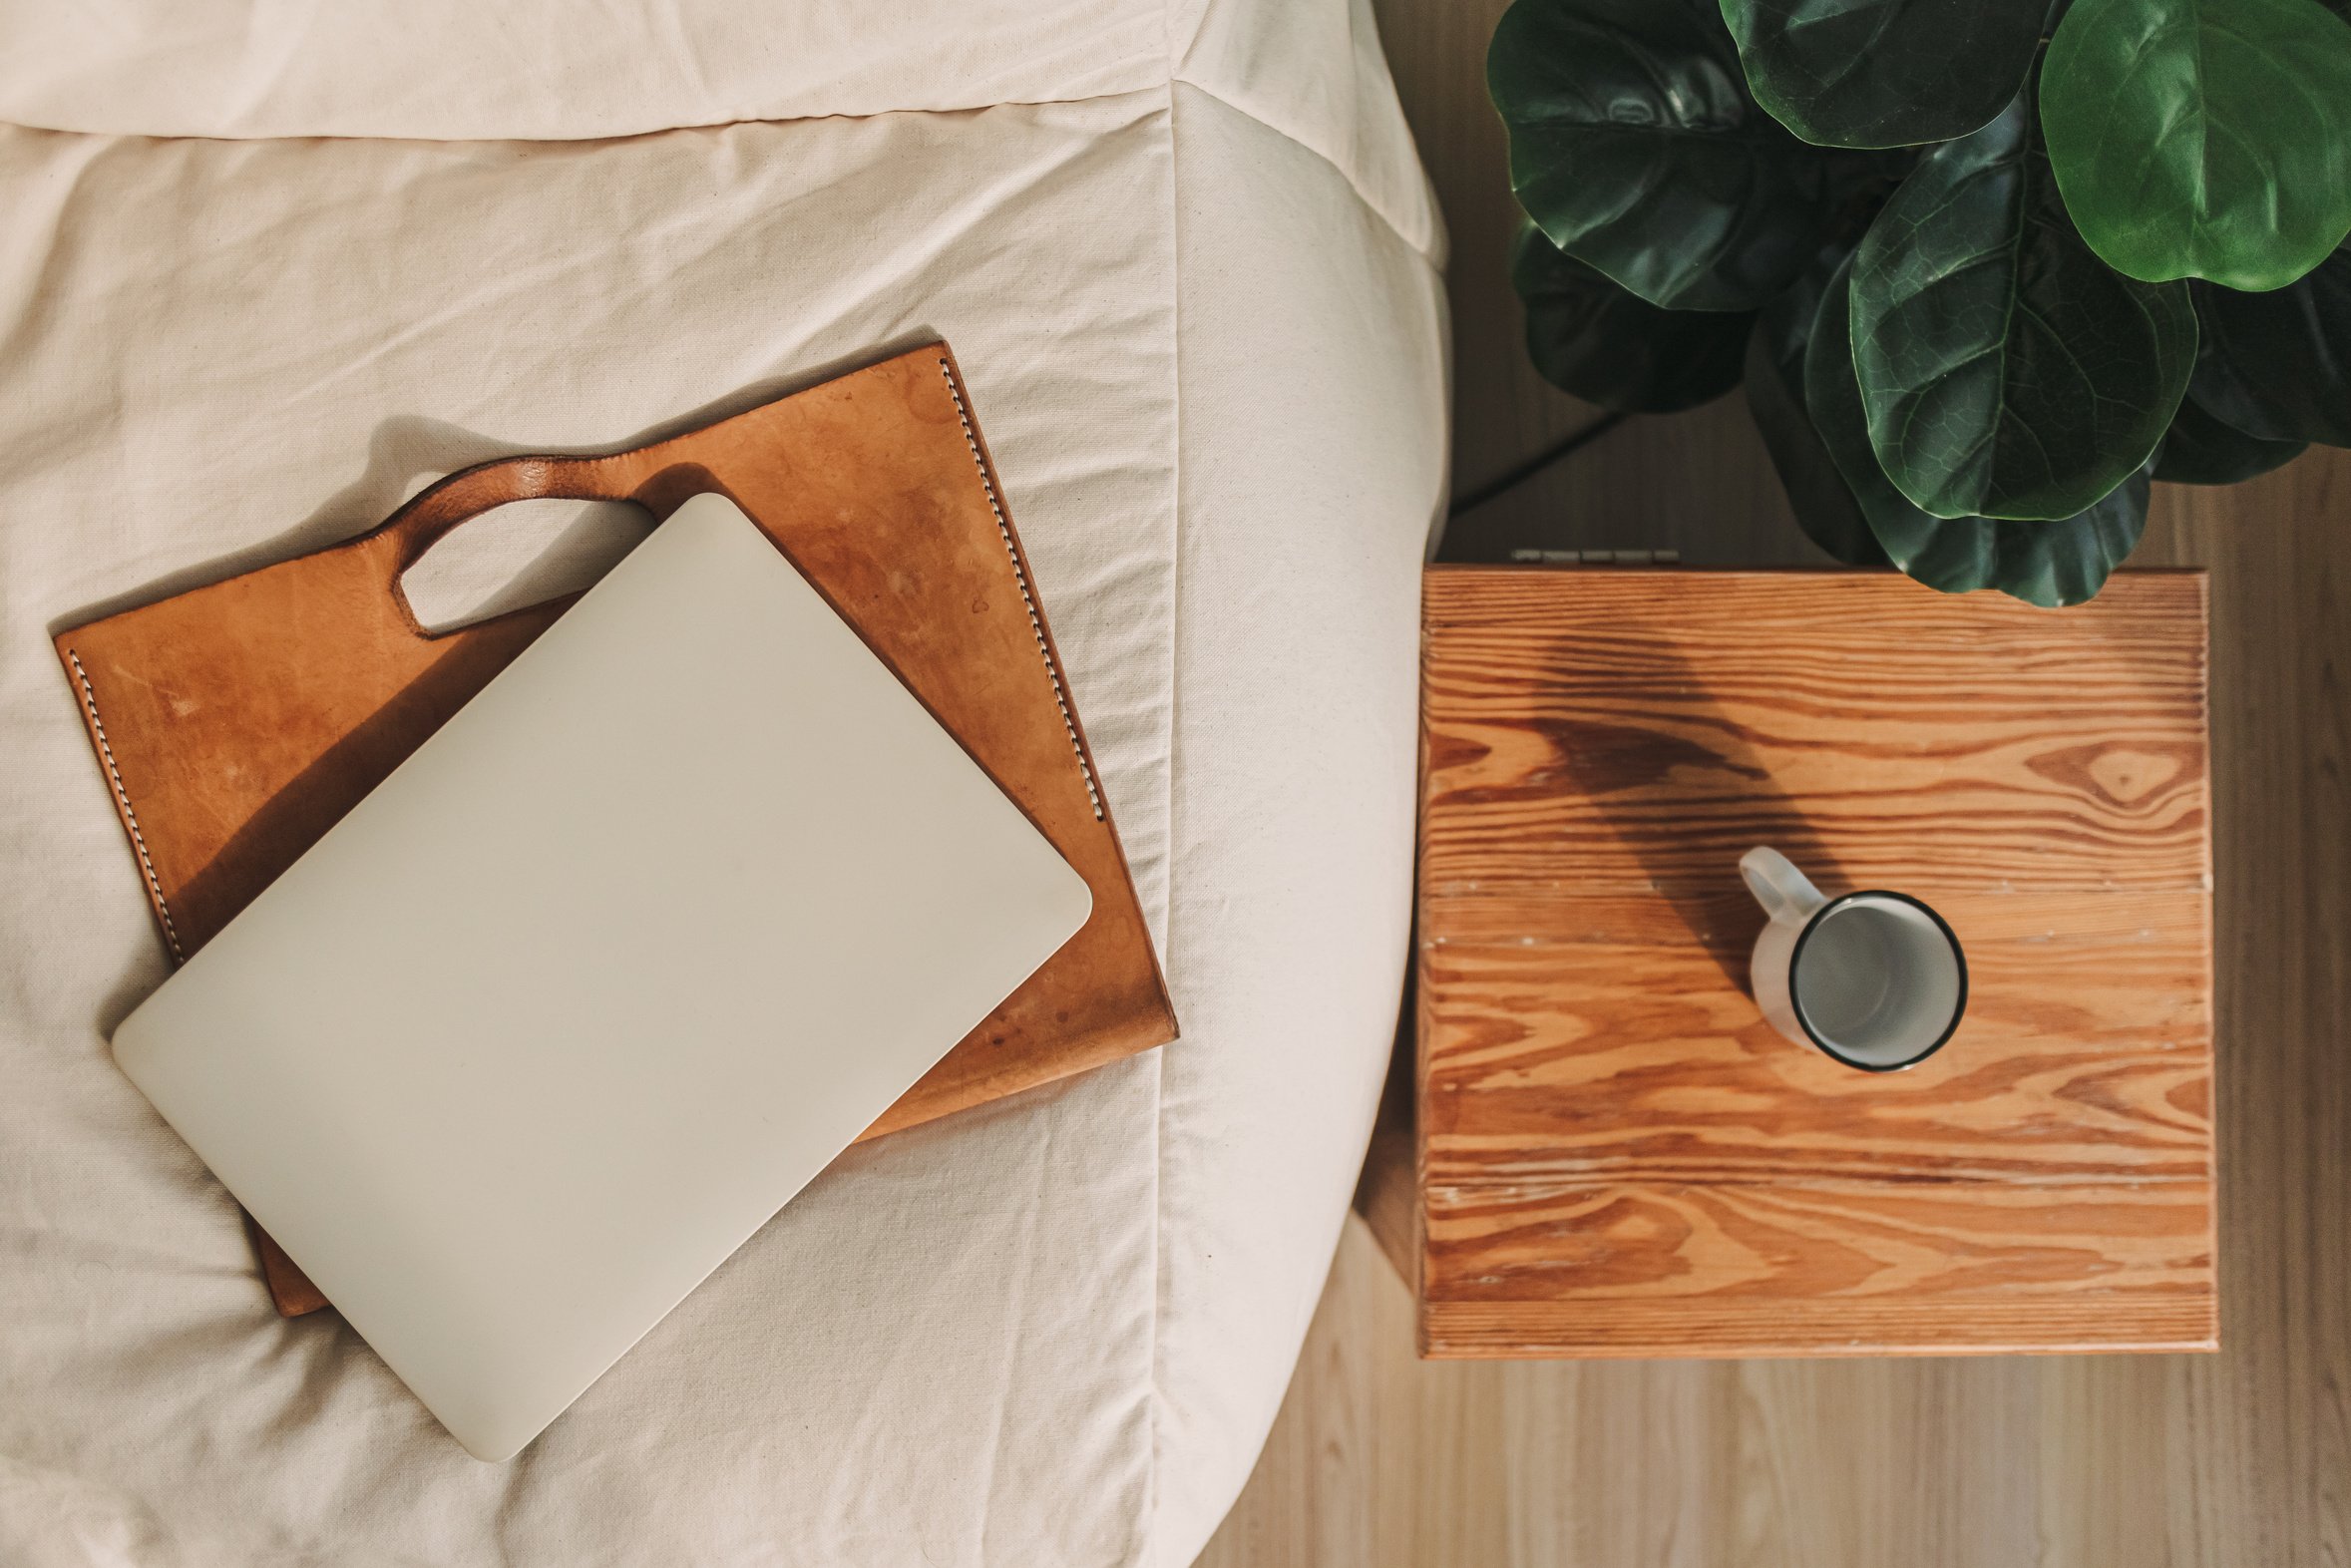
{"type": "Point", "coordinates": [266, 268]}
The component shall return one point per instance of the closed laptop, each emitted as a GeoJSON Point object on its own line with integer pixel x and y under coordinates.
{"type": "Point", "coordinates": [602, 976]}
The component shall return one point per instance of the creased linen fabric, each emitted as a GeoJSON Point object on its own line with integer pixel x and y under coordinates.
{"type": "Point", "coordinates": [1208, 356]}
{"type": "Point", "coordinates": [1311, 368]}
{"type": "Point", "coordinates": [556, 70]}
{"type": "Point", "coordinates": [460, 70]}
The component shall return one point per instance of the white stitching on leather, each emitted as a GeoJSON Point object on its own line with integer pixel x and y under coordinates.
{"type": "Point", "coordinates": [1036, 625]}
{"type": "Point", "coordinates": [122, 796]}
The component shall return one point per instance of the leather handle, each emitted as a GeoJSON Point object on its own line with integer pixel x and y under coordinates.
{"type": "Point", "coordinates": [470, 492]}
{"type": "Point", "coordinates": [402, 539]}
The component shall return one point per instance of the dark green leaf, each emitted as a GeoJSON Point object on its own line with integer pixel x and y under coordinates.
{"type": "Point", "coordinates": [1884, 73]}
{"type": "Point", "coordinates": [2199, 449]}
{"type": "Point", "coordinates": [2203, 137]}
{"type": "Point", "coordinates": [2278, 365]}
{"type": "Point", "coordinates": [1597, 339]}
{"type": "Point", "coordinates": [2007, 371]}
{"type": "Point", "coordinates": [1825, 506]}
{"type": "Point", "coordinates": [2062, 561]}
{"type": "Point", "coordinates": [1634, 145]}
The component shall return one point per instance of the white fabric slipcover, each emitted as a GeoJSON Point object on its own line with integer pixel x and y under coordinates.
{"type": "Point", "coordinates": [267, 268]}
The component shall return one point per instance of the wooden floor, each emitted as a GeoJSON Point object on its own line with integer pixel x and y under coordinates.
{"type": "Point", "coordinates": [2136, 1462]}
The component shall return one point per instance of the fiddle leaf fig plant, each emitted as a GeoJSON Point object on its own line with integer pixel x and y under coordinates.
{"type": "Point", "coordinates": [1878, 73]}
{"type": "Point", "coordinates": [1986, 267]}
{"type": "Point", "coordinates": [1636, 148]}
{"type": "Point", "coordinates": [2203, 137]}
{"type": "Point", "coordinates": [2007, 371]}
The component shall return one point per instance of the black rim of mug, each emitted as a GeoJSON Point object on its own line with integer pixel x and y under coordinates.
{"type": "Point", "coordinates": [1796, 1001]}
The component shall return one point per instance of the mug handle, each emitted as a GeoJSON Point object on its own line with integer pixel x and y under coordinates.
{"type": "Point", "coordinates": [1777, 886]}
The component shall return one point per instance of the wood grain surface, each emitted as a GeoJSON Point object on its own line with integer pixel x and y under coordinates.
{"type": "Point", "coordinates": [2234, 1461]}
{"type": "Point", "coordinates": [1618, 1156]}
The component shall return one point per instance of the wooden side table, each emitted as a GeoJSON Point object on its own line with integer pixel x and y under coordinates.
{"type": "Point", "coordinates": [1613, 1154]}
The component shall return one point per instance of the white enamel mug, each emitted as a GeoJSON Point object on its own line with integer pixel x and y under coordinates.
{"type": "Point", "coordinates": [1877, 979]}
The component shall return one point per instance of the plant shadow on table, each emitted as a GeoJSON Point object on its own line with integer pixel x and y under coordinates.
{"type": "Point", "coordinates": [1682, 785]}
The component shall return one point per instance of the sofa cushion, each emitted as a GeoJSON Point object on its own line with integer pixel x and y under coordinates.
{"type": "Point", "coordinates": [1050, 1330]}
